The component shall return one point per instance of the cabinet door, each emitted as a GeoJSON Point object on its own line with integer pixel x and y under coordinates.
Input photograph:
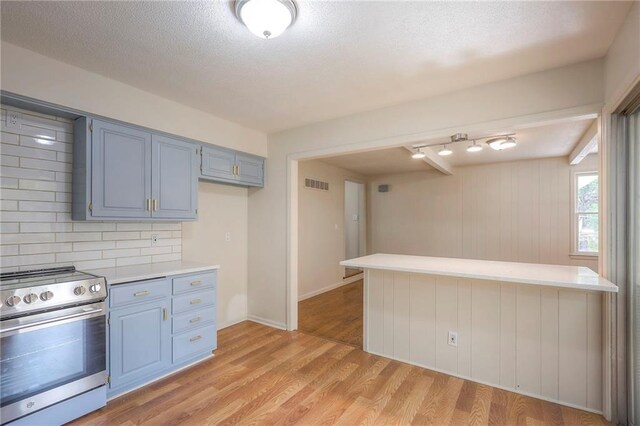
{"type": "Point", "coordinates": [174, 178]}
{"type": "Point", "coordinates": [120, 171]}
{"type": "Point", "coordinates": [250, 169]}
{"type": "Point", "coordinates": [140, 342]}
{"type": "Point", "coordinates": [218, 163]}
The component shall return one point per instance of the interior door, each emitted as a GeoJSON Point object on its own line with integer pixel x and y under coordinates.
{"type": "Point", "coordinates": [120, 171]}
{"type": "Point", "coordinates": [174, 182]}
{"type": "Point", "coordinates": [354, 225]}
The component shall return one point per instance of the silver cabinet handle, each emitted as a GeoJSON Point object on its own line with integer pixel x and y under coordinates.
{"type": "Point", "coordinates": [165, 315]}
{"type": "Point", "coordinates": [141, 293]}
{"type": "Point", "coordinates": [155, 205]}
{"type": "Point", "coordinates": [194, 320]}
{"type": "Point", "coordinates": [149, 204]}
{"type": "Point", "coordinates": [193, 339]}
{"type": "Point", "coordinates": [196, 301]}
{"type": "Point", "coordinates": [196, 283]}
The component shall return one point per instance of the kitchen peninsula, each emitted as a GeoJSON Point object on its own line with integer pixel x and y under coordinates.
{"type": "Point", "coordinates": [529, 328]}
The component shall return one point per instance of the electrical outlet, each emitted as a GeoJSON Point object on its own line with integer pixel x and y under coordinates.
{"type": "Point", "coordinates": [154, 240]}
{"type": "Point", "coordinates": [14, 120]}
{"type": "Point", "coordinates": [453, 339]}
{"type": "Point", "coordinates": [227, 236]}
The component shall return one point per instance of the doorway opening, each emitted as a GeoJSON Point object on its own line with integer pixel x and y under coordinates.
{"type": "Point", "coordinates": [354, 231]}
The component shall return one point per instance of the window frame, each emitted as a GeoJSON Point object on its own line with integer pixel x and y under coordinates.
{"type": "Point", "coordinates": [575, 215]}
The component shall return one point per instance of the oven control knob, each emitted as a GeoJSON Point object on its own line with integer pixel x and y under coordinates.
{"type": "Point", "coordinates": [94, 288]}
{"type": "Point", "coordinates": [79, 291]}
{"type": "Point", "coordinates": [31, 297]}
{"type": "Point", "coordinates": [12, 301]}
{"type": "Point", "coordinates": [47, 295]}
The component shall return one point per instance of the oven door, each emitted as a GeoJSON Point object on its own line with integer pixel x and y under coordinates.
{"type": "Point", "coordinates": [49, 357]}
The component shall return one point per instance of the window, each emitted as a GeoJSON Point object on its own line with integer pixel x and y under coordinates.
{"type": "Point", "coordinates": [586, 202]}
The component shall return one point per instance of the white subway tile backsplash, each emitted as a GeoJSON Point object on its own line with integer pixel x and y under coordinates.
{"type": "Point", "coordinates": [124, 261]}
{"type": "Point", "coordinates": [20, 173]}
{"type": "Point", "coordinates": [27, 195]}
{"type": "Point", "coordinates": [78, 236]}
{"type": "Point", "coordinates": [6, 182]}
{"type": "Point", "coordinates": [94, 245]}
{"type": "Point", "coordinates": [45, 227]}
{"type": "Point", "coordinates": [93, 226]}
{"type": "Point", "coordinates": [43, 206]}
{"type": "Point", "coordinates": [8, 205]}
{"type": "Point", "coordinates": [35, 170]}
{"type": "Point", "coordinates": [77, 256]}
{"type": "Point", "coordinates": [45, 248]}
{"type": "Point", "coordinates": [120, 236]}
{"type": "Point", "coordinates": [114, 254]}
{"type": "Point", "coordinates": [134, 226]}
{"type": "Point", "coordinates": [28, 238]}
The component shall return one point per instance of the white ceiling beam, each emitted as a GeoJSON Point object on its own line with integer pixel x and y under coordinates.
{"type": "Point", "coordinates": [434, 160]}
{"type": "Point", "coordinates": [585, 145]}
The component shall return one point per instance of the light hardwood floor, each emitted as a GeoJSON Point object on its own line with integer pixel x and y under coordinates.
{"type": "Point", "coordinates": [335, 315]}
{"type": "Point", "coordinates": [261, 375]}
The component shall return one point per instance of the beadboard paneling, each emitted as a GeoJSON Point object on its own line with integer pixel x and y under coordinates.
{"type": "Point", "coordinates": [514, 211]}
{"type": "Point", "coordinates": [539, 341]}
{"type": "Point", "coordinates": [35, 204]}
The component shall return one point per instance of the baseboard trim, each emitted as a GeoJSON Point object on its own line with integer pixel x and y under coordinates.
{"type": "Point", "coordinates": [346, 281]}
{"type": "Point", "coordinates": [232, 322]}
{"type": "Point", "coordinates": [267, 322]}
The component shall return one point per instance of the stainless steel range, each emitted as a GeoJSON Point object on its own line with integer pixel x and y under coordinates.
{"type": "Point", "coordinates": [52, 338]}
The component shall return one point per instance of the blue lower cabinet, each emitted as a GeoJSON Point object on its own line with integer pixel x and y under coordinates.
{"type": "Point", "coordinates": [140, 345]}
{"type": "Point", "coordinates": [154, 331]}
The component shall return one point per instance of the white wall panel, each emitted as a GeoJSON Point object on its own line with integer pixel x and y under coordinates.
{"type": "Point", "coordinates": [538, 341]}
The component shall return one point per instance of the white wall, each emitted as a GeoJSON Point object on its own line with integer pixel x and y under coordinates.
{"type": "Point", "coordinates": [532, 97]}
{"type": "Point", "coordinates": [514, 211]}
{"type": "Point", "coordinates": [321, 228]}
{"type": "Point", "coordinates": [30, 74]}
{"type": "Point", "coordinates": [222, 209]}
{"type": "Point", "coordinates": [622, 62]}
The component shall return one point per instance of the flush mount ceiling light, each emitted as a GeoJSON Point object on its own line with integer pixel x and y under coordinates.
{"type": "Point", "coordinates": [501, 143]}
{"type": "Point", "coordinates": [445, 151]}
{"type": "Point", "coordinates": [418, 154]}
{"type": "Point", "coordinates": [266, 18]}
{"type": "Point", "coordinates": [474, 147]}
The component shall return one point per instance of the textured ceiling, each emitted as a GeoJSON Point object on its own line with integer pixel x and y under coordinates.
{"type": "Point", "coordinates": [555, 140]}
{"type": "Point", "coordinates": [339, 57]}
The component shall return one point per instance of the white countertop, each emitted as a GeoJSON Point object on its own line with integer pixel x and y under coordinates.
{"type": "Point", "coordinates": [147, 271]}
{"type": "Point", "coordinates": [576, 277]}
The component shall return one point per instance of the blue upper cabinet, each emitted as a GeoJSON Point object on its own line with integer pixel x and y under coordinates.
{"type": "Point", "coordinates": [175, 178]}
{"type": "Point", "coordinates": [232, 167]}
{"type": "Point", "coordinates": [219, 164]}
{"type": "Point", "coordinates": [120, 171]}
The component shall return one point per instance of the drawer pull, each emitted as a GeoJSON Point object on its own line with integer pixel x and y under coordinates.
{"type": "Point", "coordinates": [196, 301]}
{"type": "Point", "coordinates": [196, 319]}
{"type": "Point", "coordinates": [196, 283]}
{"type": "Point", "coordinates": [193, 339]}
{"type": "Point", "coordinates": [141, 293]}
{"type": "Point", "coordinates": [165, 315]}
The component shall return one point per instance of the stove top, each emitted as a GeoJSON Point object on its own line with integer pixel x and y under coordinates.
{"type": "Point", "coordinates": [29, 292]}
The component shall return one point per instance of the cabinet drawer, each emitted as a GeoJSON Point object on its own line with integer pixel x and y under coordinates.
{"type": "Point", "coordinates": [125, 294]}
{"type": "Point", "coordinates": [193, 301]}
{"type": "Point", "coordinates": [191, 320]}
{"type": "Point", "coordinates": [194, 342]}
{"type": "Point", "coordinates": [194, 282]}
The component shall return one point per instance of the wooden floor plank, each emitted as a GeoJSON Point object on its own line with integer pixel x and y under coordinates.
{"type": "Point", "coordinates": [265, 376]}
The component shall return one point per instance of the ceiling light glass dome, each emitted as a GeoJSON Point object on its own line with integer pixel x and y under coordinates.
{"type": "Point", "coordinates": [266, 18]}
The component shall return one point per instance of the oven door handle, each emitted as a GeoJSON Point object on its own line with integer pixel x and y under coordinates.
{"type": "Point", "coordinates": [91, 312]}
